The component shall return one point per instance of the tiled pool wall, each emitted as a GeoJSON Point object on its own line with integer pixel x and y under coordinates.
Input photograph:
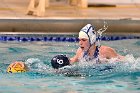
{"type": "Point", "coordinates": [60, 38]}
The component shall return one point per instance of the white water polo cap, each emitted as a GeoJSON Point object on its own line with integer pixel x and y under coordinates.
{"type": "Point", "coordinates": [88, 32]}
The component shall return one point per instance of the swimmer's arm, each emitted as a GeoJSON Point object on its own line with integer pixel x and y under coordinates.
{"type": "Point", "coordinates": [75, 58]}
{"type": "Point", "coordinates": [113, 54]}
{"type": "Point", "coordinates": [120, 58]}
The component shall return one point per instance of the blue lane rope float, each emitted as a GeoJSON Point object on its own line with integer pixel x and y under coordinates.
{"type": "Point", "coordinates": [60, 38]}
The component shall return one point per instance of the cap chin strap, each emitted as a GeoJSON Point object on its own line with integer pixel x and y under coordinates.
{"type": "Point", "coordinates": [90, 43]}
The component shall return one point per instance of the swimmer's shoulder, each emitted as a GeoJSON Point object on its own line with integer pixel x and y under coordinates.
{"type": "Point", "coordinates": [105, 48]}
{"type": "Point", "coordinates": [106, 51]}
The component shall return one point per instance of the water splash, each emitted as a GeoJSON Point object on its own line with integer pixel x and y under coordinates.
{"type": "Point", "coordinates": [35, 64]}
{"type": "Point", "coordinates": [132, 63]}
{"type": "Point", "coordinates": [110, 69]}
{"type": "Point", "coordinates": [100, 32]}
{"type": "Point", "coordinates": [85, 69]}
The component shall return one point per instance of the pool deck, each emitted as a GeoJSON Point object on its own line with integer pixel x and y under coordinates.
{"type": "Point", "coordinates": [67, 19]}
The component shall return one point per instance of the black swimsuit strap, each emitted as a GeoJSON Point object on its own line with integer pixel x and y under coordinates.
{"type": "Point", "coordinates": [96, 53]}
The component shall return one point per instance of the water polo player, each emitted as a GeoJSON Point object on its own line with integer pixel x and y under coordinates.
{"type": "Point", "coordinates": [89, 50]}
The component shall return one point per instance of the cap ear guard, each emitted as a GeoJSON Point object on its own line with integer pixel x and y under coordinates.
{"type": "Point", "coordinates": [59, 61]}
{"type": "Point", "coordinates": [93, 39]}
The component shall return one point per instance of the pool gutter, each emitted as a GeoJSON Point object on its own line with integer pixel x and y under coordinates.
{"type": "Point", "coordinates": [66, 25]}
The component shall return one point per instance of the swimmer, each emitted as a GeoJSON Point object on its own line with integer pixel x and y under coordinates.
{"type": "Point", "coordinates": [89, 49]}
{"type": "Point", "coordinates": [16, 67]}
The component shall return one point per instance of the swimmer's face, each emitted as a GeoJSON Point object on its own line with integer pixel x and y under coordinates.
{"type": "Point", "coordinates": [84, 44]}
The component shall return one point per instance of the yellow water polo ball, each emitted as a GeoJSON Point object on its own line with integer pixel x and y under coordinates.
{"type": "Point", "coordinates": [16, 67]}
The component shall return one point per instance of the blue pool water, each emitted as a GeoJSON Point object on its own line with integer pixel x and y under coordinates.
{"type": "Point", "coordinates": [124, 77]}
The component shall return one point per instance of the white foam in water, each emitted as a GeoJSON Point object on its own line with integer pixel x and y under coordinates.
{"type": "Point", "coordinates": [35, 64]}
{"type": "Point", "coordinates": [133, 62]}
{"type": "Point", "coordinates": [90, 68]}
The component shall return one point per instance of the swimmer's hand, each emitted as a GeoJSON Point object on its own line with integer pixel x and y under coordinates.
{"type": "Point", "coordinates": [119, 58]}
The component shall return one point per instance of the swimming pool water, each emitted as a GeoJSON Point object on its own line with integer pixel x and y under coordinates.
{"type": "Point", "coordinates": [124, 77]}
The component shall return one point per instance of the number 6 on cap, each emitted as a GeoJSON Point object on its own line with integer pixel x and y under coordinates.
{"type": "Point", "coordinates": [59, 61]}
